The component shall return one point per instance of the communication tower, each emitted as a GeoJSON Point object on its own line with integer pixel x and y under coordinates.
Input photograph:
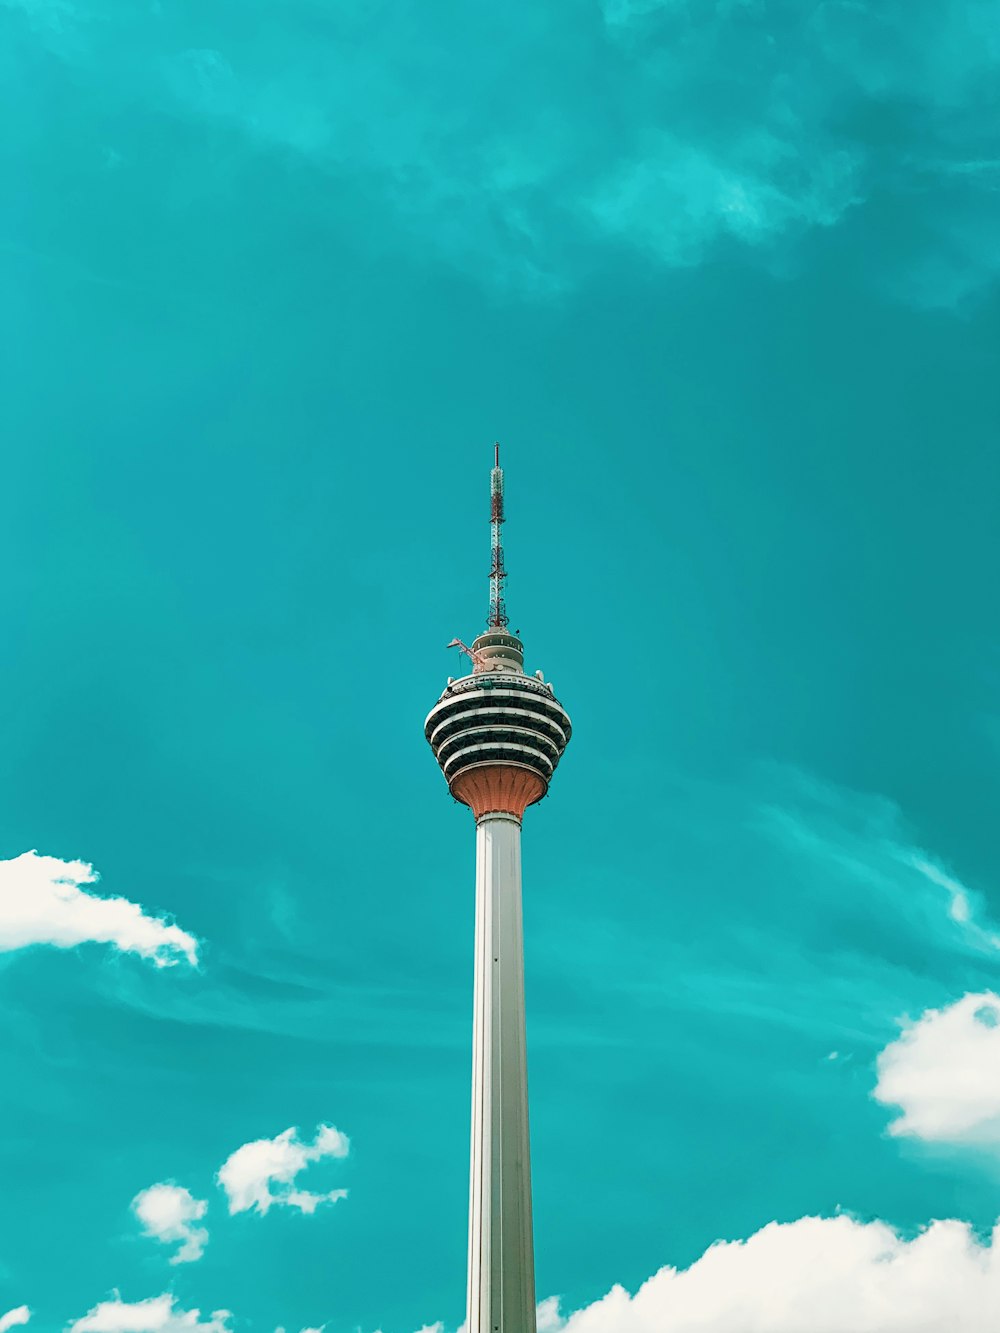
{"type": "Point", "coordinates": [498, 735]}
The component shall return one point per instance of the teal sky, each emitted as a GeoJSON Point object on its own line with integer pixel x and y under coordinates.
{"type": "Point", "coordinates": [722, 276]}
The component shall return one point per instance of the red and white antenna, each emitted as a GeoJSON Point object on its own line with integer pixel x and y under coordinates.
{"type": "Point", "coordinates": [498, 611]}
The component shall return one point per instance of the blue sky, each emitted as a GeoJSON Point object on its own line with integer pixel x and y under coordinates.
{"type": "Point", "coordinates": [722, 277]}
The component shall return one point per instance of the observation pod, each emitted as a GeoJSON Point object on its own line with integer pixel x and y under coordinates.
{"type": "Point", "coordinates": [498, 735]}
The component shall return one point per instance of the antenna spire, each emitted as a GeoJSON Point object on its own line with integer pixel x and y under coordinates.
{"type": "Point", "coordinates": [498, 611]}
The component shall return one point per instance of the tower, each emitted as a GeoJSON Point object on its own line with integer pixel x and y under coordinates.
{"type": "Point", "coordinates": [498, 735]}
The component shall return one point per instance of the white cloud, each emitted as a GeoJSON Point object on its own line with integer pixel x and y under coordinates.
{"type": "Point", "coordinates": [547, 1317]}
{"type": "Point", "coordinates": [169, 1213]}
{"type": "Point", "coordinates": [42, 902]}
{"type": "Point", "coordinates": [821, 1274]}
{"type": "Point", "coordinates": [158, 1314]}
{"type": "Point", "coordinates": [12, 1318]}
{"type": "Point", "coordinates": [943, 1072]}
{"type": "Point", "coordinates": [248, 1174]}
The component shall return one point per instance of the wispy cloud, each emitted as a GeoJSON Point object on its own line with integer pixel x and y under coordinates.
{"type": "Point", "coordinates": [830, 920]}
{"type": "Point", "coordinates": [668, 127]}
{"type": "Point", "coordinates": [628, 13]}
{"type": "Point", "coordinates": [674, 201]}
{"type": "Point", "coordinates": [733, 122]}
{"type": "Point", "coordinates": [857, 847]}
{"type": "Point", "coordinates": [52, 16]}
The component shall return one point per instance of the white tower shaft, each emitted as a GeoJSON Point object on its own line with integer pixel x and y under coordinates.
{"type": "Point", "coordinates": [501, 1293]}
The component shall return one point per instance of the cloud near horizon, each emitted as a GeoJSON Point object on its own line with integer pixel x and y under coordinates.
{"type": "Point", "coordinates": [824, 1274]}
{"type": "Point", "coordinates": [14, 1318]}
{"type": "Point", "coordinates": [821, 1274]}
{"type": "Point", "coordinates": [157, 1314]}
{"type": "Point", "coordinates": [249, 1173]}
{"type": "Point", "coordinates": [43, 900]}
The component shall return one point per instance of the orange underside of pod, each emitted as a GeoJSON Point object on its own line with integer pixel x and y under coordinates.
{"type": "Point", "coordinates": [498, 787]}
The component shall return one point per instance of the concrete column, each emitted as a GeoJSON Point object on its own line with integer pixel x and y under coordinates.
{"type": "Point", "coordinates": [501, 1294]}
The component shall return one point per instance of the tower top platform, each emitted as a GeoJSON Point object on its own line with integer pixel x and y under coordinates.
{"type": "Point", "coordinates": [496, 649]}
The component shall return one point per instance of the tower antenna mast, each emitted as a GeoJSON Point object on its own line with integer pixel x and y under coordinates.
{"type": "Point", "coordinates": [498, 609]}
